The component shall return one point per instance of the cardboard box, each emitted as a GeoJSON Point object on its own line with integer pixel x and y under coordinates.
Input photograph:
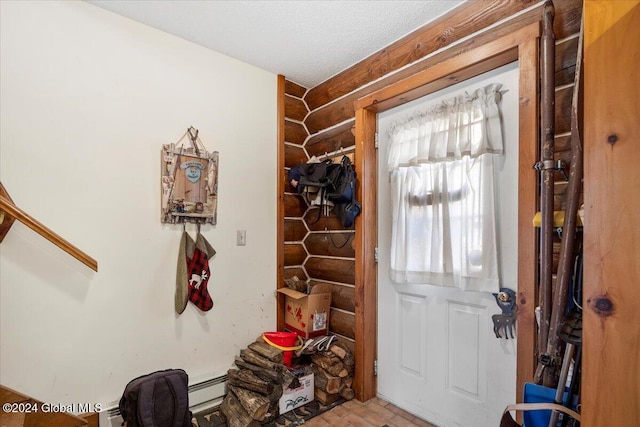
{"type": "Point", "coordinates": [308, 314]}
{"type": "Point", "coordinates": [293, 398]}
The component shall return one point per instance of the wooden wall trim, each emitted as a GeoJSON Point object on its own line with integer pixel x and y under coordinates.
{"type": "Point", "coordinates": [611, 352]}
{"type": "Point", "coordinates": [528, 136]}
{"type": "Point", "coordinates": [366, 281]}
{"type": "Point", "coordinates": [464, 66]}
{"type": "Point", "coordinates": [524, 43]}
{"type": "Point", "coordinates": [281, 202]}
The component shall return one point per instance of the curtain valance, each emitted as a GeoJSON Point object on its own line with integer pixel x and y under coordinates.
{"type": "Point", "coordinates": [466, 125]}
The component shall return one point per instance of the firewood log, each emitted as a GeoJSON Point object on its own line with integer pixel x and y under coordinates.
{"type": "Point", "coordinates": [274, 409]}
{"type": "Point", "coordinates": [330, 363]}
{"type": "Point", "coordinates": [265, 350]}
{"type": "Point", "coordinates": [248, 380]}
{"type": "Point", "coordinates": [254, 358]}
{"type": "Point", "coordinates": [254, 403]}
{"type": "Point", "coordinates": [347, 393]}
{"type": "Point", "coordinates": [251, 356]}
{"type": "Point", "coordinates": [289, 380]}
{"type": "Point", "coordinates": [338, 351]}
{"type": "Point", "coordinates": [338, 370]}
{"type": "Point", "coordinates": [347, 382]}
{"type": "Point", "coordinates": [235, 414]}
{"type": "Point", "coordinates": [350, 369]}
{"type": "Point", "coordinates": [325, 359]}
{"type": "Point", "coordinates": [324, 381]}
{"type": "Point", "coordinates": [272, 413]}
{"type": "Point", "coordinates": [324, 397]}
{"type": "Point", "coordinates": [269, 375]}
{"type": "Point", "coordinates": [275, 396]}
{"type": "Point", "coordinates": [348, 359]}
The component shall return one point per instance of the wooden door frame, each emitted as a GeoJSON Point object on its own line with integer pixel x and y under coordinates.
{"type": "Point", "coordinates": [521, 45]}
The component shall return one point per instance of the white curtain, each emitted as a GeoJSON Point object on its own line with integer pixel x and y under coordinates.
{"type": "Point", "coordinates": [442, 193]}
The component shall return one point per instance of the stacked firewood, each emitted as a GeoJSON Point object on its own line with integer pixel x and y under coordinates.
{"type": "Point", "coordinates": [255, 388]}
{"type": "Point", "coordinates": [333, 374]}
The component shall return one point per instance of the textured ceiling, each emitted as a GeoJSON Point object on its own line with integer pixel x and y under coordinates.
{"type": "Point", "coordinates": [306, 41]}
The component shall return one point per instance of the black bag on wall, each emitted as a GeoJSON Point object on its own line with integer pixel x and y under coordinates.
{"type": "Point", "coordinates": [336, 181]}
{"type": "Point", "coordinates": [343, 185]}
{"type": "Point", "coordinates": [347, 212]}
{"type": "Point", "coordinates": [319, 175]}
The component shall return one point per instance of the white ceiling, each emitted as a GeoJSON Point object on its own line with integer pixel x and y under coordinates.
{"type": "Point", "coordinates": [307, 41]}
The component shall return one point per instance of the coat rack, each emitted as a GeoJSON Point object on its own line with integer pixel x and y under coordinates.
{"type": "Point", "coordinates": [9, 212]}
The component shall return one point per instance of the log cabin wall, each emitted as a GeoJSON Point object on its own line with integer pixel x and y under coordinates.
{"type": "Point", "coordinates": [295, 134]}
{"type": "Point", "coordinates": [331, 117]}
{"type": "Point", "coordinates": [316, 249]}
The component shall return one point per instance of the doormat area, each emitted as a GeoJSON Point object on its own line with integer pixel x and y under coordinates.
{"type": "Point", "coordinates": [215, 418]}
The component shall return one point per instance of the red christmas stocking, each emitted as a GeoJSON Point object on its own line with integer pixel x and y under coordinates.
{"type": "Point", "coordinates": [198, 267]}
{"type": "Point", "coordinates": [199, 271]}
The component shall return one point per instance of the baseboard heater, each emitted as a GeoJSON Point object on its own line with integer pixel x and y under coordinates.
{"type": "Point", "coordinates": [202, 395]}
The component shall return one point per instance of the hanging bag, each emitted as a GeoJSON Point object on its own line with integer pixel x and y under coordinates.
{"type": "Point", "coordinates": [319, 175]}
{"type": "Point", "coordinates": [336, 183]}
{"type": "Point", "coordinates": [343, 183]}
{"type": "Point", "coordinates": [346, 207]}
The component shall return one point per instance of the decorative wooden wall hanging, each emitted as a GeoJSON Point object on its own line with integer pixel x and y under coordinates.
{"type": "Point", "coordinates": [189, 182]}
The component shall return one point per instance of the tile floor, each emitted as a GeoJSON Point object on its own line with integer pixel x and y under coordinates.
{"type": "Point", "coordinates": [373, 413]}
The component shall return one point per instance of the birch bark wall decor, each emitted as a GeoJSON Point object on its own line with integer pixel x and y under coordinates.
{"type": "Point", "coordinates": [189, 181]}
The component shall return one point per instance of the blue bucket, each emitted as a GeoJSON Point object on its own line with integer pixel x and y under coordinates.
{"type": "Point", "coordinates": [534, 393]}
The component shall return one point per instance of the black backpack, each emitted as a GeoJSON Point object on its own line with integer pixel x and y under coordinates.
{"type": "Point", "coordinates": [159, 399]}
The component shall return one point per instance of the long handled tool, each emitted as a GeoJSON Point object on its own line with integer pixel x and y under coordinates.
{"type": "Point", "coordinates": [571, 333]}
{"type": "Point", "coordinates": [554, 346]}
{"type": "Point", "coordinates": [546, 166]}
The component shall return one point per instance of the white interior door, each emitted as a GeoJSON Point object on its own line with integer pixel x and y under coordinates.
{"type": "Point", "coordinates": [438, 357]}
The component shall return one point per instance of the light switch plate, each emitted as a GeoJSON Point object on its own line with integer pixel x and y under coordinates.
{"type": "Point", "coordinates": [241, 238]}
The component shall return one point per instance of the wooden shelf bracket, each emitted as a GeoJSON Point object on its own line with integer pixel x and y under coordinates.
{"type": "Point", "coordinates": [9, 212]}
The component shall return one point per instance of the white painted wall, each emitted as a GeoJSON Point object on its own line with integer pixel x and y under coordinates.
{"type": "Point", "coordinates": [87, 100]}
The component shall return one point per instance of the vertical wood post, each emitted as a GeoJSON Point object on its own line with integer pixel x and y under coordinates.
{"type": "Point", "coordinates": [280, 215]}
{"type": "Point", "coordinates": [611, 372]}
{"type": "Point", "coordinates": [528, 201]}
{"type": "Point", "coordinates": [366, 282]}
